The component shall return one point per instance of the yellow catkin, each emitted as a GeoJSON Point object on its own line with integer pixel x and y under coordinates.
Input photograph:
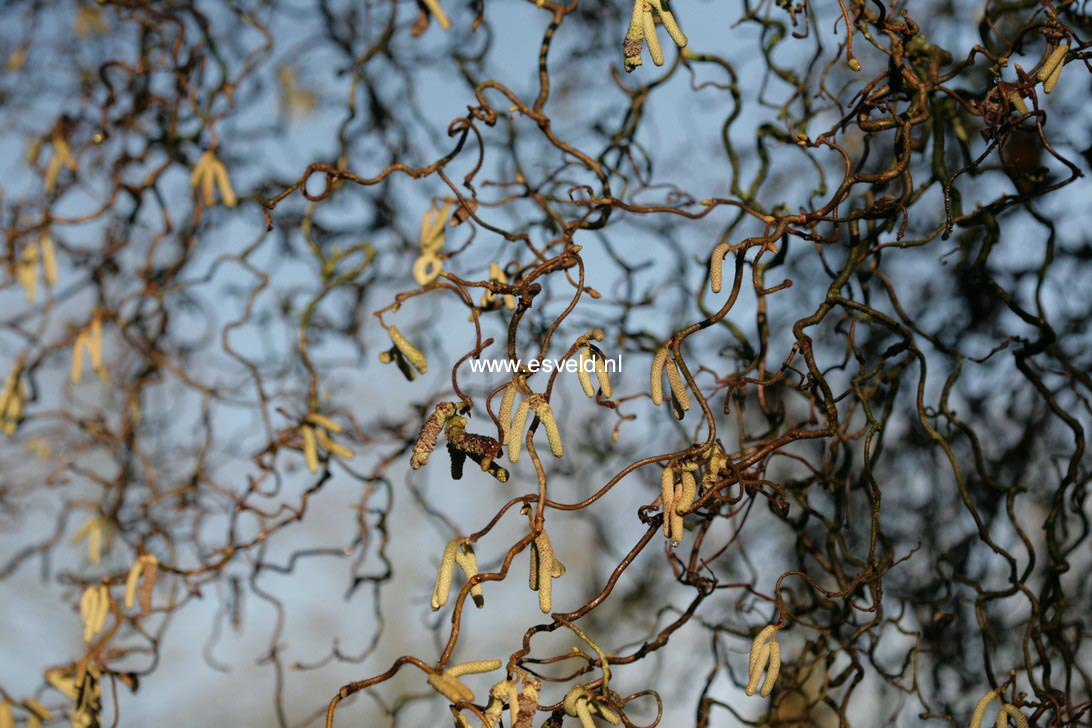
{"type": "Point", "coordinates": [670, 25]}
{"type": "Point", "coordinates": [504, 414]}
{"type": "Point", "coordinates": [1018, 103]}
{"type": "Point", "coordinates": [675, 518]}
{"type": "Point", "coordinates": [472, 668]}
{"type": "Point", "coordinates": [40, 711]}
{"type": "Point", "coordinates": [553, 434]}
{"type": "Point", "coordinates": [431, 237]}
{"type": "Point", "coordinates": [102, 609]}
{"type": "Point", "coordinates": [606, 714]}
{"type": "Point", "coordinates": [147, 583]}
{"type": "Point", "coordinates": [716, 266]}
{"type": "Point", "coordinates": [94, 346]}
{"type": "Point", "coordinates": [323, 421]}
{"type": "Point", "coordinates": [688, 492]}
{"type": "Point", "coordinates": [582, 374]}
{"type": "Point", "coordinates": [515, 431]}
{"type": "Point", "coordinates": [980, 709]}
{"type": "Point", "coordinates": [1053, 62]}
{"type": "Point", "coordinates": [327, 443]}
{"type": "Point", "coordinates": [762, 638]}
{"type": "Point", "coordinates": [7, 717]}
{"type": "Point", "coordinates": [444, 575]}
{"type": "Point", "coordinates": [532, 575]}
{"type": "Point", "coordinates": [77, 357]}
{"type": "Point", "coordinates": [601, 375]}
{"type": "Point", "coordinates": [774, 669]}
{"type": "Point", "coordinates": [427, 268]}
{"type": "Point", "coordinates": [759, 660]}
{"type": "Point", "coordinates": [651, 38]}
{"type": "Point", "coordinates": [584, 715]}
{"type": "Point", "coordinates": [678, 386]}
{"type": "Point", "coordinates": [27, 271]}
{"type": "Point", "coordinates": [656, 376]}
{"type": "Point", "coordinates": [88, 605]}
{"type": "Point", "coordinates": [131, 582]}
{"type": "Point", "coordinates": [223, 182]}
{"type": "Point", "coordinates": [49, 258]}
{"type": "Point", "coordinates": [412, 354]}
{"type": "Point", "coordinates": [667, 497]}
{"type": "Point", "coordinates": [310, 448]}
{"type": "Point", "coordinates": [94, 543]}
{"type": "Point", "coordinates": [1010, 711]}
{"type": "Point", "coordinates": [438, 12]}
{"type": "Point", "coordinates": [467, 560]}
{"type": "Point", "coordinates": [451, 688]}
{"type": "Point", "coordinates": [685, 492]}
{"type": "Point", "coordinates": [1052, 79]}
{"type": "Point", "coordinates": [545, 573]}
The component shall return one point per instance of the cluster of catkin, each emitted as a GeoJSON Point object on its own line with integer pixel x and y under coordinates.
{"type": "Point", "coordinates": [81, 685]}
{"type": "Point", "coordinates": [209, 175]}
{"type": "Point", "coordinates": [522, 704]}
{"type": "Point", "coordinates": [665, 361]}
{"type": "Point", "coordinates": [409, 358]}
{"type": "Point", "coordinates": [581, 704]}
{"type": "Point", "coordinates": [428, 266]}
{"type": "Point", "coordinates": [458, 552]}
{"type": "Point", "coordinates": [37, 254]}
{"type": "Point", "coordinates": [448, 684]}
{"type": "Point", "coordinates": [596, 357]}
{"type": "Point", "coordinates": [1051, 70]}
{"type": "Point", "coordinates": [36, 714]}
{"type": "Point", "coordinates": [514, 425]}
{"type": "Point", "coordinates": [317, 431]}
{"type": "Point", "coordinates": [1007, 711]}
{"type": "Point", "coordinates": [764, 651]}
{"type": "Point", "coordinates": [94, 606]}
{"type": "Point", "coordinates": [545, 566]}
{"type": "Point", "coordinates": [677, 494]}
{"type": "Point", "coordinates": [642, 29]}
